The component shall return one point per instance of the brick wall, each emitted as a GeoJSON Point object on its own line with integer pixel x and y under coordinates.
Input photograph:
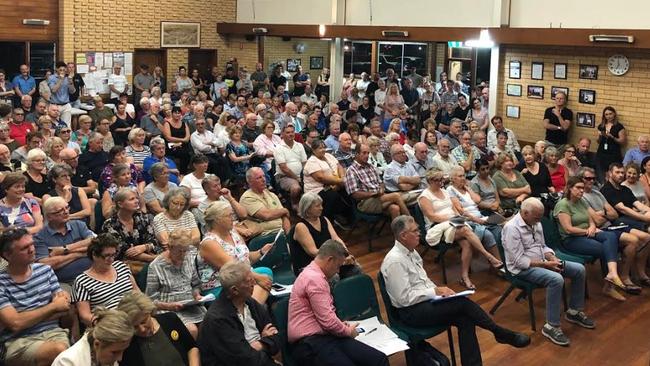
{"type": "Point", "coordinates": [625, 93]}
{"type": "Point", "coordinates": [275, 50]}
{"type": "Point", "coordinates": [123, 25]}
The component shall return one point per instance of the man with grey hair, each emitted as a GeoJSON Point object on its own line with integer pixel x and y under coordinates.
{"type": "Point", "coordinates": [400, 176]}
{"type": "Point", "coordinates": [528, 257]}
{"type": "Point", "coordinates": [250, 130]}
{"type": "Point", "coordinates": [317, 334]}
{"type": "Point", "coordinates": [157, 145]}
{"type": "Point", "coordinates": [263, 206]}
{"type": "Point", "coordinates": [332, 141]}
{"type": "Point", "coordinates": [453, 136]}
{"type": "Point", "coordinates": [237, 330]}
{"type": "Point", "coordinates": [466, 154]}
{"type": "Point", "coordinates": [95, 158]}
{"type": "Point", "coordinates": [638, 153]}
{"type": "Point", "coordinates": [290, 158]}
{"type": "Point", "coordinates": [290, 116]}
{"type": "Point", "coordinates": [81, 176]}
{"type": "Point", "coordinates": [5, 159]}
{"type": "Point", "coordinates": [411, 291]}
{"type": "Point", "coordinates": [344, 154]}
{"type": "Point", "coordinates": [443, 160]}
{"type": "Point", "coordinates": [421, 160]}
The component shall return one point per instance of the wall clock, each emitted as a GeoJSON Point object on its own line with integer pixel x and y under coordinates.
{"type": "Point", "coordinates": [618, 64]}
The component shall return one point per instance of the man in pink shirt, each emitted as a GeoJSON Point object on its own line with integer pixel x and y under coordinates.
{"type": "Point", "coordinates": [318, 336]}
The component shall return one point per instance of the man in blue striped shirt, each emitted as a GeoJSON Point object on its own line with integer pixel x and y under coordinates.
{"type": "Point", "coordinates": [31, 303]}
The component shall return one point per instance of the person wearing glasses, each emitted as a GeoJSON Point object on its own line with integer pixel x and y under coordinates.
{"type": "Point", "coordinates": [80, 175]}
{"type": "Point", "coordinates": [16, 210]}
{"type": "Point", "coordinates": [62, 243]}
{"type": "Point", "coordinates": [19, 128]}
{"type": "Point", "coordinates": [105, 282]}
{"type": "Point", "coordinates": [37, 185]}
{"type": "Point", "coordinates": [76, 198]}
{"type": "Point", "coordinates": [570, 160]}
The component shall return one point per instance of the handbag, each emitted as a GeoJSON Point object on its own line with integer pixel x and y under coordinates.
{"type": "Point", "coordinates": [424, 354]}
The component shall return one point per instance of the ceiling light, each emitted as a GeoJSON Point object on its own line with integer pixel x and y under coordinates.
{"type": "Point", "coordinates": [484, 41]}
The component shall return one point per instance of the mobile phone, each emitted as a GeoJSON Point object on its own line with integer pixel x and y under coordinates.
{"type": "Point", "coordinates": [562, 265]}
{"type": "Point", "coordinates": [360, 330]}
{"type": "Point", "coordinates": [277, 287]}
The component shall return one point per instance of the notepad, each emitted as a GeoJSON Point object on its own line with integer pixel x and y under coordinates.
{"type": "Point", "coordinates": [457, 294]}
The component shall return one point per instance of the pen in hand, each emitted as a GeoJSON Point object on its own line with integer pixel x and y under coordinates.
{"type": "Point", "coordinates": [371, 330]}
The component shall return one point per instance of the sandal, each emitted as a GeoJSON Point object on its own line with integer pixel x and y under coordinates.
{"type": "Point", "coordinates": [495, 265]}
{"type": "Point", "coordinates": [644, 282]}
{"type": "Point", "coordinates": [632, 289]}
{"type": "Point", "coordinates": [467, 284]}
{"type": "Point", "coordinates": [617, 283]}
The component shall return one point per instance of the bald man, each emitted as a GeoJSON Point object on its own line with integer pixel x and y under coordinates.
{"type": "Point", "coordinates": [344, 154]}
{"type": "Point", "coordinates": [251, 130]}
{"type": "Point", "coordinates": [290, 115]}
{"type": "Point", "coordinates": [81, 176]}
{"type": "Point", "coordinates": [5, 160]}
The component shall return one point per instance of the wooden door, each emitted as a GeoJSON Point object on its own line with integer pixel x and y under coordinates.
{"type": "Point", "coordinates": [152, 58]}
{"type": "Point", "coordinates": [202, 60]}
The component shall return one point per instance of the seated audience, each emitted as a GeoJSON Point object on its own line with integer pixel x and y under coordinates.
{"type": "Point", "coordinates": [411, 290]}
{"type": "Point", "coordinates": [631, 211]}
{"type": "Point", "coordinates": [121, 178]}
{"type": "Point", "coordinates": [118, 155]}
{"type": "Point", "coordinates": [238, 153]}
{"type": "Point", "coordinates": [84, 132]}
{"type": "Point", "coordinates": [315, 332]}
{"type": "Point", "coordinates": [155, 191]}
{"type": "Point", "coordinates": [512, 186]}
{"type": "Point", "coordinates": [153, 121]}
{"type": "Point", "coordinates": [207, 143]}
{"type": "Point", "coordinates": [290, 158]}
{"type": "Point", "coordinates": [81, 177]}
{"type": "Point", "coordinates": [604, 215]}
{"type": "Point", "coordinates": [400, 176]}
{"type": "Point", "coordinates": [265, 143]}
{"type": "Point", "coordinates": [37, 184]}
{"type": "Point", "coordinates": [437, 210]}
{"type": "Point", "coordinates": [580, 235]}
{"type": "Point", "coordinates": [484, 186]}
{"type": "Point", "coordinates": [105, 282]}
{"type": "Point", "coordinates": [444, 160]}
{"type": "Point", "coordinates": [528, 258]}
{"type": "Point", "coordinates": [34, 141]}
{"type": "Point", "coordinates": [94, 158]}
{"type": "Point", "coordinates": [122, 125]}
{"type": "Point", "coordinates": [101, 111]}
{"type": "Point", "coordinates": [31, 335]}
{"type": "Point", "coordinates": [502, 146]}
{"type": "Point", "coordinates": [453, 136]}
{"type": "Point", "coordinates": [52, 150]}
{"type": "Point", "coordinates": [62, 243]}
{"type": "Point", "coordinates": [133, 230]}
{"type": "Point", "coordinates": [176, 133]}
{"type": "Point", "coordinates": [632, 173]}
{"type": "Point", "coordinates": [156, 331]}
{"type": "Point", "coordinates": [586, 157]}
{"type": "Point", "coordinates": [16, 209]}
{"type": "Point", "coordinates": [466, 154]}
{"type": "Point", "coordinates": [344, 154]}
{"type": "Point", "coordinates": [570, 161]}
{"type": "Point", "coordinates": [220, 245]}
{"type": "Point", "coordinates": [311, 232]}
{"type": "Point", "coordinates": [172, 279]}
{"type": "Point", "coordinates": [103, 343]}
{"type": "Point", "coordinates": [136, 149]}
{"type": "Point", "coordinates": [559, 174]}
{"type": "Point", "coordinates": [364, 185]}
{"type": "Point", "coordinates": [536, 173]}
{"type": "Point", "coordinates": [192, 181]}
{"type": "Point", "coordinates": [640, 152]}
{"type": "Point", "coordinates": [492, 136]}
{"type": "Point", "coordinates": [237, 330]}
{"type": "Point", "coordinates": [540, 149]}
{"type": "Point", "coordinates": [78, 203]}
{"type": "Point", "coordinates": [176, 216]}
{"type": "Point", "coordinates": [376, 157]}
{"type": "Point", "coordinates": [104, 130]}
{"type": "Point", "coordinates": [158, 156]}
{"type": "Point", "coordinates": [644, 178]}
{"type": "Point", "coordinates": [6, 140]}
{"type": "Point", "coordinates": [332, 140]}
{"type": "Point", "coordinates": [214, 192]}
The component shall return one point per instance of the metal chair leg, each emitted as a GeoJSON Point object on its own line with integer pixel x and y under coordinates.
{"type": "Point", "coordinates": [566, 306]}
{"type": "Point", "coordinates": [444, 269]}
{"type": "Point", "coordinates": [531, 309]}
{"type": "Point", "coordinates": [502, 299]}
{"type": "Point", "coordinates": [452, 352]}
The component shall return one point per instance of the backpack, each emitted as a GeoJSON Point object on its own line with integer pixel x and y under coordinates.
{"type": "Point", "coordinates": [424, 354]}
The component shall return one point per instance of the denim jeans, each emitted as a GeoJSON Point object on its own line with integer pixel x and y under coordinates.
{"type": "Point", "coordinates": [554, 282]}
{"type": "Point", "coordinates": [603, 245]}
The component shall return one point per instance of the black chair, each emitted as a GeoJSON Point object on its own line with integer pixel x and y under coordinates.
{"type": "Point", "coordinates": [280, 311]}
{"type": "Point", "coordinates": [374, 221]}
{"type": "Point", "coordinates": [277, 259]}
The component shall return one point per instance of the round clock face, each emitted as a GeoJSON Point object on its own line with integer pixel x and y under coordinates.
{"type": "Point", "coordinates": [618, 64]}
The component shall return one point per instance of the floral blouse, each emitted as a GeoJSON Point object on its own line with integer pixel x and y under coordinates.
{"type": "Point", "coordinates": [21, 216]}
{"type": "Point", "coordinates": [142, 233]}
{"type": "Point", "coordinates": [209, 275]}
{"type": "Point", "coordinates": [107, 175]}
{"type": "Point", "coordinates": [241, 167]}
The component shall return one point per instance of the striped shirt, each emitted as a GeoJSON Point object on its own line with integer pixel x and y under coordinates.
{"type": "Point", "coordinates": [32, 294]}
{"type": "Point", "coordinates": [100, 293]}
{"type": "Point", "coordinates": [162, 223]}
{"type": "Point", "coordinates": [138, 156]}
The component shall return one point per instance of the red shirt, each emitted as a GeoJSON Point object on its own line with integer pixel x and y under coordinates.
{"type": "Point", "coordinates": [19, 132]}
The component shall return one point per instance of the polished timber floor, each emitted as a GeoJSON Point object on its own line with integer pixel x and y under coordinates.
{"type": "Point", "coordinates": [621, 337]}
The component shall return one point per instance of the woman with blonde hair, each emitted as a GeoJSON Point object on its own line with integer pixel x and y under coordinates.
{"type": "Point", "coordinates": [82, 135]}
{"type": "Point", "coordinates": [222, 244]}
{"type": "Point", "coordinates": [102, 344]}
{"type": "Point", "coordinates": [136, 149]}
{"type": "Point", "coordinates": [512, 186]}
{"type": "Point", "coordinates": [172, 280]}
{"type": "Point", "coordinates": [392, 104]}
{"type": "Point", "coordinates": [376, 158]}
{"type": "Point", "coordinates": [53, 148]}
{"type": "Point", "coordinates": [37, 184]}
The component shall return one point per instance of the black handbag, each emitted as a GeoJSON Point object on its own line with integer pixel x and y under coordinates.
{"type": "Point", "coordinates": [424, 354]}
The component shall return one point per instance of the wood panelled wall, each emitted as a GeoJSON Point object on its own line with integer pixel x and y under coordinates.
{"type": "Point", "coordinates": [13, 13]}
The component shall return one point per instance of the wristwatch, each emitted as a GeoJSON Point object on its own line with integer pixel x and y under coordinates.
{"type": "Point", "coordinates": [65, 250]}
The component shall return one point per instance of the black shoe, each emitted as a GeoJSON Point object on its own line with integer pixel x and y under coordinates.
{"type": "Point", "coordinates": [517, 340]}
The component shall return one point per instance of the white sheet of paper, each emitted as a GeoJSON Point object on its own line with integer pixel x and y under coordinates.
{"type": "Point", "coordinates": [380, 337]}
{"type": "Point", "coordinates": [462, 293]}
{"type": "Point", "coordinates": [99, 60]}
{"type": "Point", "coordinates": [82, 69]}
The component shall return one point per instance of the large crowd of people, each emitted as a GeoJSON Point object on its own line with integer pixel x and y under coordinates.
{"type": "Point", "coordinates": [121, 219]}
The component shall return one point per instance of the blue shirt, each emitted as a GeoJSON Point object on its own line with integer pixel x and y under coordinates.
{"type": "Point", "coordinates": [332, 142]}
{"type": "Point", "coordinates": [393, 171]}
{"type": "Point", "coordinates": [32, 294]}
{"type": "Point", "coordinates": [76, 230]}
{"type": "Point", "coordinates": [62, 96]}
{"type": "Point", "coordinates": [635, 155]}
{"type": "Point", "coordinates": [148, 162]}
{"type": "Point", "coordinates": [25, 85]}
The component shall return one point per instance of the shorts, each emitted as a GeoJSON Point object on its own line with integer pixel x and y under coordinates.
{"type": "Point", "coordinates": [372, 205]}
{"type": "Point", "coordinates": [23, 350]}
{"type": "Point", "coordinates": [286, 183]}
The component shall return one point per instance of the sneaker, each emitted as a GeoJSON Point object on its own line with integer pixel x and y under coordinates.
{"type": "Point", "coordinates": [581, 319]}
{"type": "Point", "coordinates": [556, 335]}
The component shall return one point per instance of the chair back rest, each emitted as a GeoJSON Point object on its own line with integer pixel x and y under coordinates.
{"type": "Point", "coordinates": [277, 257]}
{"type": "Point", "coordinates": [281, 315]}
{"type": "Point", "coordinates": [355, 298]}
{"type": "Point", "coordinates": [391, 311]}
{"type": "Point", "coordinates": [419, 219]}
{"type": "Point", "coordinates": [551, 232]}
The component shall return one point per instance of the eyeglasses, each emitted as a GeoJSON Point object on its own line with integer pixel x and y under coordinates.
{"type": "Point", "coordinates": [61, 210]}
{"type": "Point", "coordinates": [570, 151]}
{"type": "Point", "coordinates": [588, 178]}
{"type": "Point", "coordinates": [108, 256]}
{"type": "Point", "coordinates": [65, 131]}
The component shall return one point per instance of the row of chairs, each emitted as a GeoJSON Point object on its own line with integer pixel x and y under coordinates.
{"type": "Point", "coordinates": [355, 298]}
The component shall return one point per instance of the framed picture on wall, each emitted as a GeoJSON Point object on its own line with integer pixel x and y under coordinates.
{"type": "Point", "coordinates": [513, 90]}
{"type": "Point", "coordinates": [180, 34]}
{"type": "Point", "coordinates": [514, 72]}
{"type": "Point", "coordinates": [588, 72]}
{"type": "Point", "coordinates": [316, 62]}
{"type": "Point", "coordinates": [537, 71]}
{"type": "Point", "coordinates": [292, 64]}
{"type": "Point", "coordinates": [587, 120]}
{"type": "Point", "coordinates": [512, 111]}
{"type": "Point", "coordinates": [557, 89]}
{"type": "Point", "coordinates": [536, 91]}
{"type": "Point", "coordinates": [559, 71]}
{"type": "Point", "coordinates": [587, 96]}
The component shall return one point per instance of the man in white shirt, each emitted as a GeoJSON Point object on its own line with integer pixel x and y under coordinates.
{"type": "Point", "coordinates": [290, 158]}
{"type": "Point", "coordinates": [512, 143]}
{"type": "Point", "coordinates": [308, 97]}
{"type": "Point", "coordinates": [207, 143]}
{"type": "Point", "coordinates": [443, 160]}
{"type": "Point", "coordinates": [410, 291]}
{"type": "Point", "coordinates": [117, 84]}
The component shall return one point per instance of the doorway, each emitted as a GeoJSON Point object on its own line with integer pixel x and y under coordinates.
{"type": "Point", "coordinates": [150, 57]}
{"type": "Point", "coordinates": [202, 60]}
{"type": "Point", "coordinates": [13, 54]}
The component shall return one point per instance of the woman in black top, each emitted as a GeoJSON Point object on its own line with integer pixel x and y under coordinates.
{"type": "Point", "coordinates": [611, 136]}
{"type": "Point", "coordinates": [536, 174]}
{"type": "Point", "coordinates": [199, 83]}
{"type": "Point", "coordinates": [122, 126]}
{"type": "Point", "coordinates": [311, 232]}
{"type": "Point", "coordinates": [37, 183]}
{"type": "Point", "coordinates": [177, 135]}
{"type": "Point", "coordinates": [366, 110]}
{"type": "Point", "coordinates": [59, 176]}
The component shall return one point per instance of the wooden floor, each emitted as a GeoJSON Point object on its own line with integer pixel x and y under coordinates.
{"type": "Point", "coordinates": [621, 337]}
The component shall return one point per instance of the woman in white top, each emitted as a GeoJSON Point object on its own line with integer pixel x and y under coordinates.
{"type": "Point", "coordinates": [103, 343]}
{"type": "Point", "coordinates": [632, 182]}
{"type": "Point", "coordinates": [380, 96]}
{"type": "Point", "coordinates": [266, 142]}
{"type": "Point", "coordinates": [437, 210]}
{"type": "Point", "coordinates": [192, 182]}
{"type": "Point", "coordinates": [324, 175]}
{"type": "Point", "coordinates": [376, 157]}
